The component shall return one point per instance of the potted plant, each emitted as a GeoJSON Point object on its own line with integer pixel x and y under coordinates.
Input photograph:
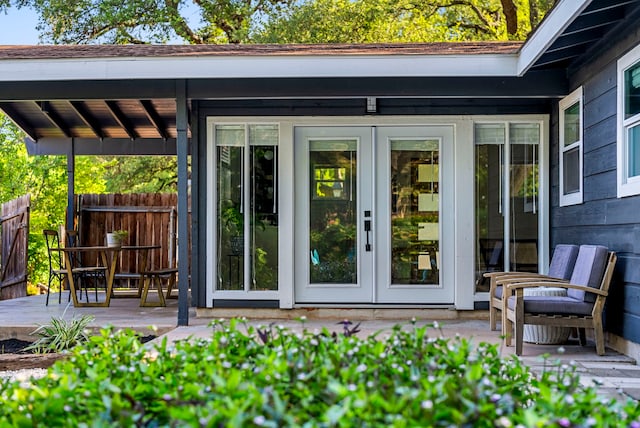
{"type": "Point", "coordinates": [115, 238]}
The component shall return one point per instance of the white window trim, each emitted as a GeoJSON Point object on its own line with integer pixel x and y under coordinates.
{"type": "Point", "coordinates": [626, 186]}
{"type": "Point", "coordinates": [574, 198]}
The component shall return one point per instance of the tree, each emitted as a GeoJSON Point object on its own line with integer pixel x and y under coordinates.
{"type": "Point", "coordinates": [283, 21]}
{"type": "Point", "coordinates": [365, 21]}
{"type": "Point", "coordinates": [45, 178]}
{"type": "Point", "coordinates": [147, 21]}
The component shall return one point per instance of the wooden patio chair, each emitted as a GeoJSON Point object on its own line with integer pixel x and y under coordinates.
{"type": "Point", "coordinates": [581, 308]}
{"type": "Point", "coordinates": [561, 267]}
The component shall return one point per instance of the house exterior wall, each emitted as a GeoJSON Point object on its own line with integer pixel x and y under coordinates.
{"type": "Point", "coordinates": [602, 218]}
{"type": "Point", "coordinates": [431, 110]}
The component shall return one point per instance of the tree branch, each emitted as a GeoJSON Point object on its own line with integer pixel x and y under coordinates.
{"type": "Point", "coordinates": [179, 24]}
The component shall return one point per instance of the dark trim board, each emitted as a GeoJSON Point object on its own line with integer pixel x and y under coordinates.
{"type": "Point", "coordinates": [552, 83]}
{"type": "Point", "coordinates": [385, 107]}
{"type": "Point", "coordinates": [249, 304]}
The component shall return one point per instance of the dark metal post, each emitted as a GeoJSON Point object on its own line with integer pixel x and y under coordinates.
{"type": "Point", "coordinates": [183, 200]}
{"type": "Point", "coordinates": [71, 190]}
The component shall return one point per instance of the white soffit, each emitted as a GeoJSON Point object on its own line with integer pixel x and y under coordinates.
{"type": "Point", "coordinates": [271, 66]}
{"type": "Point", "coordinates": [560, 17]}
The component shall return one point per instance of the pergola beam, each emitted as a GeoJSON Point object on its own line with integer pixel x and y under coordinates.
{"type": "Point", "coordinates": [155, 118]}
{"type": "Point", "coordinates": [19, 120]}
{"type": "Point", "coordinates": [86, 117]}
{"type": "Point", "coordinates": [47, 109]}
{"type": "Point", "coordinates": [122, 120]}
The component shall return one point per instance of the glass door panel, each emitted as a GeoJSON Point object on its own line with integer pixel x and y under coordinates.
{"type": "Point", "coordinates": [332, 211]}
{"type": "Point", "coordinates": [415, 212]}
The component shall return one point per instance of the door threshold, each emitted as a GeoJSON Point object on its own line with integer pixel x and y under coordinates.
{"type": "Point", "coordinates": [447, 306]}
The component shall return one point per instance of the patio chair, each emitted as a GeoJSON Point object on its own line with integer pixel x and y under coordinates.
{"type": "Point", "coordinates": [57, 269]}
{"type": "Point", "coordinates": [581, 308]}
{"type": "Point", "coordinates": [83, 275]}
{"type": "Point", "coordinates": [561, 267]}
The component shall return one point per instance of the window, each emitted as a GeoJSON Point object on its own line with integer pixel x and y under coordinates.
{"type": "Point", "coordinates": [571, 149]}
{"type": "Point", "coordinates": [629, 124]}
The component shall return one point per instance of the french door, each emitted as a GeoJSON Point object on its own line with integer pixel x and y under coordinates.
{"type": "Point", "coordinates": [374, 214]}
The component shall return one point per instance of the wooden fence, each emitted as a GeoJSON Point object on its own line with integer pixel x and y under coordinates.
{"type": "Point", "coordinates": [14, 235]}
{"type": "Point", "coordinates": [149, 219]}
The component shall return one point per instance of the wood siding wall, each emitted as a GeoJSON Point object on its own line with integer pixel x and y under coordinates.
{"type": "Point", "coordinates": [602, 218]}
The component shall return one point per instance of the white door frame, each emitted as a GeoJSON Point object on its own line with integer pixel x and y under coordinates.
{"type": "Point", "coordinates": [463, 274]}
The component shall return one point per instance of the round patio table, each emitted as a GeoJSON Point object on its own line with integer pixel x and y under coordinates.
{"type": "Point", "coordinates": [542, 334]}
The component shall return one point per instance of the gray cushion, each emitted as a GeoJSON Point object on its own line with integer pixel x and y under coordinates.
{"type": "Point", "coordinates": [562, 305]}
{"type": "Point", "coordinates": [563, 261]}
{"type": "Point", "coordinates": [499, 291]}
{"type": "Point", "coordinates": [588, 270]}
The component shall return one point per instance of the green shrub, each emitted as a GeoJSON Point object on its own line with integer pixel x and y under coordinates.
{"type": "Point", "coordinates": [275, 377]}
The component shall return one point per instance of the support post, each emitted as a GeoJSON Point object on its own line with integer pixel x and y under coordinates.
{"type": "Point", "coordinates": [183, 200]}
{"type": "Point", "coordinates": [71, 190]}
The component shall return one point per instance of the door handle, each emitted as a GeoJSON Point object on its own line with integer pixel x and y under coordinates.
{"type": "Point", "coordinates": [367, 228]}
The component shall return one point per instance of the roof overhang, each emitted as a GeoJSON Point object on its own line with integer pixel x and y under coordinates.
{"type": "Point", "coordinates": [128, 93]}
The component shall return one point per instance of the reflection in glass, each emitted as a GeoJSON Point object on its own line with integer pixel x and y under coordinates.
{"type": "Point", "coordinates": [261, 175]}
{"type": "Point", "coordinates": [332, 212]}
{"type": "Point", "coordinates": [489, 139]}
{"type": "Point", "coordinates": [523, 176]}
{"type": "Point", "coordinates": [415, 212]}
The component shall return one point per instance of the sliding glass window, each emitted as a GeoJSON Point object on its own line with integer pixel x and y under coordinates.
{"type": "Point", "coordinates": [246, 207]}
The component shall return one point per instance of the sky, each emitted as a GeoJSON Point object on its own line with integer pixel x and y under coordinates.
{"type": "Point", "coordinates": [18, 27]}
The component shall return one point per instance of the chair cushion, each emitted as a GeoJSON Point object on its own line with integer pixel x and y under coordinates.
{"type": "Point", "coordinates": [499, 292]}
{"type": "Point", "coordinates": [588, 270]}
{"type": "Point", "coordinates": [561, 305]}
{"type": "Point", "coordinates": [563, 261]}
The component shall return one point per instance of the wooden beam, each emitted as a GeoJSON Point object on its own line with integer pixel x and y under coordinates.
{"type": "Point", "coordinates": [154, 118]}
{"type": "Point", "coordinates": [122, 120]}
{"type": "Point", "coordinates": [10, 110]}
{"type": "Point", "coordinates": [85, 116]}
{"type": "Point", "coordinates": [47, 109]}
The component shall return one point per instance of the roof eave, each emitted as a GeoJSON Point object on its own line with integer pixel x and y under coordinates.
{"type": "Point", "coordinates": [202, 67]}
{"type": "Point", "coordinates": [556, 21]}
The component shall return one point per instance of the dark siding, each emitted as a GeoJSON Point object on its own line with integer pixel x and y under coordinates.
{"type": "Point", "coordinates": [602, 218]}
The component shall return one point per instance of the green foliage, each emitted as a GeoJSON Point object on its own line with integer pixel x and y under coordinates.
{"type": "Point", "coordinates": [61, 335]}
{"type": "Point", "coordinates": [368, 21]}
{"type": "Point", "coordinates": [274, 377]}
{"type": "Point", "coordinates": [283, 21]}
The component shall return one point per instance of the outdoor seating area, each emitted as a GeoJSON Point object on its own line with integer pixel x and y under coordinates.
{"type": "Point", "coordinates": [77, 268]}
{"type": "Point", "coordinates": [555, 303]}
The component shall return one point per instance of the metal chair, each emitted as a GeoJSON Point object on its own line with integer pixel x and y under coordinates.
{"type": "Point", "coordinates": [84, 274]}
{"type": "Point", "coordinates": [57, 270]}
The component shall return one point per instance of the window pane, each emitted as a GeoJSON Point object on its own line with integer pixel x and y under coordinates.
{"type": "Point", "coordinates": [633, 151]}
{"type": "Point", "coordinates": [632, 91]}
{"type": "Point", "coordinates": [571, 171]}
{"type": "Point", "coordinates": [489, 133]}
{"type": "Point", "coordinates": [572, 124]}
{"type": "Point", "coordinates": [264, 216]}
{"type": "Point", "coordinates": [524, 133]}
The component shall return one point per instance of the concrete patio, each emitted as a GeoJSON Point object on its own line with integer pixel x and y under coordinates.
{"type": "Point", "coordinates": [615, 374]}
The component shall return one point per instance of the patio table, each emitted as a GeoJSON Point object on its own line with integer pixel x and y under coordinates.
{"type": "Point", "coordinates": [108, 256]}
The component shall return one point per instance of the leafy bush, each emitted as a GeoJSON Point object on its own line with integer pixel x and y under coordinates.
{"type": "Point", "coordinates": [61, 335]}
{"type": "Point", "coordinates": [274, 377]}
